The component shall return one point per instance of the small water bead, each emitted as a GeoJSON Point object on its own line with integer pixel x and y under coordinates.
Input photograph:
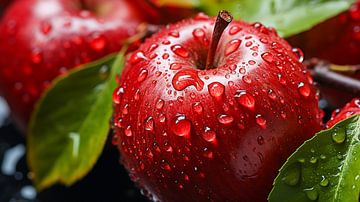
{"type": "Point", "coordinates": [208, 135]}
{"type": "Point", "coordinates": [98, 42]}
{"type": "Point", "coordinates": [175, 66]}
{"type": "Point", "coordinates": [225, 119]}
{"type": "Point", "coordinates": [36, 56]}
{"type": "Point", "coordinates": [174, 34]}
{"type": "Point", "coordinates": [181, 126]}
{"type": "Point", "coordinates": [117, 95]}
{"type": "Point", "coordinates": [246, 79]}
{"type": "Point", "coordinates": [165, 56]}
{"type": "Point", "coordinates": [125, 109]}
{"type": "Point", "coordinates": [324, 182]}
{"type": "Point", "coordinates": [260, 121]}
{"type": "Point", "coordinates": [251, 62]}
{"type": "Point", "coordinates": [271, 94]}
{"type": "Point", "coordinates": [299, 54]}
{"type": "Point", "coordinates": [142, 75]}
{"type": "Point", "coordinates": [248, 43]}
{"type": "Point", "coordinates": [162, 118]}
{"type": "Point", "coordinates": [292, 175]}
{"type": "Point", "coordinates": [149, 124]}
{"type": "Point", "coordinates": [159, 104]}
{"type": "Point", "coordinates": [268, 57]}
{"type": "Point", "coordinates": [197, 107]}
{"type": "Point", "coordinates": [46, 28]}
{"type": "Point", "coordinates": [185, 78]}
{"type": "Point", "coordinates": [260, 140]}
{"type": "Point", "coordinates": [153, 47]}
{"type": "Point", "coordinates": [313, 160]}
{"type": "Point", "coordinates": [199, 34]}
{"type": "Point", "coordinates": [166, 42]}
{"type": "Point", "coordinates": [128, 131]}
{"type": "Point", "coordinates": [180, 51]}
{"type": "Point", "coordinates": [137, 94]}
{"type": "Point", "coordinates": [232, 46]}
{"type": "Point", "coordinates": [234, 30]}
{"type": "Point", "coordinates": [216, 89]}
{"type": "Point", "coordinates": [312, 194]}
{"type": "Point", "coordinates": [137, 57]}
{"type": "Point", "coordinates": [245, 99]}
{"type": "Point", "coordinates": [339, 135]}
{"type": "Point", "coordinates": [304, 89]}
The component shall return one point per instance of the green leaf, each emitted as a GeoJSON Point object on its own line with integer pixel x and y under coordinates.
{"type": "Point", "coordinates": [70, 124]}
{"type": "Point", "coordinates": [325, 168]}
{"type": "Point", "coordinates": [289, 17]}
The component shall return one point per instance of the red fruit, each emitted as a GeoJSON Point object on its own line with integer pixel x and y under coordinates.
{"type": "Point", "coordinates": [348, 110]}
{"type": "Point", "coordinates": [186, 133]}
{"type": "Point", "coordinates": [336, 40]}
{"type": "Point", "coordinates": [41, 39]}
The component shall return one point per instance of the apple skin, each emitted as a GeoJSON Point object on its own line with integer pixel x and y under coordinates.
{"type": "Point", "coordinates": [186, 134]}
{"type": "Point", "coordinates": [42, 39]}
{"type": "Point", "coordinates": [350, 109]}
{"type": "Point", "coordinates": [341, 43]}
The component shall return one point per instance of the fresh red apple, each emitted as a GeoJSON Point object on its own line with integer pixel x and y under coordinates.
{"type": "Point", "coordinates": [348, 110]}
{"type": "Point", "coordinates": [336, 40]}
{"type": "Point", "coordinates": [203, 116]}
{"type": "Point", "coordinates": [41, 39]}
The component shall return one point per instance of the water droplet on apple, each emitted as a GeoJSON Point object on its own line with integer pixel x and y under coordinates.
{"type": "Point", "coordinates": [181, 126]}
{"type": "Point", "coordinates": [128, 131]}
{"type": "Point", "coordinates": [174, 34]}
{"type": "Point", "coordinates": [175, 66]}
{"type": "Point", "coordinates": [245, 99]}
{"type": "Point", "coordinates": [216, 89]}
{"type": "Point", "coordinates": [199, 34]}
{"type": "Point", "coordinates": [117, 95]}
{"type": "Point", "coordinates": [125, 109]}
{"type": "Point", "coordinates": [268, 57]}
{"type": "Point", "coordinates": [271, 94]}
{"type": "Point", "coordinates": [180, 51]}
{"type": "Point", "coordinates": [142, 75]}
{"type": "Point", "coordinates": [299, 54]}
{"type": "Point", "coordinates": [137, 57]}
{"type": "Point", "coordinates": [36, 56]}
{"type": "Point", "coordinates": [260, 140]}
{"type": "Point", "coordinates": [149, 124]}
{"type": "Point", "coordinates": [185, 78]}
{"type": "Point", "coordinates": [234, 29]}
{"type": "Point", "coordinates": [208, 135]}
{"type": "Point", "coordinates": [153, 47]}
{"type": "Point", "coordinates": [159, 104]}
{"type": "Point", "coordinates": [46, 27]}
{"type": "Point", "coordinates": [225, 119]}
{"type": "Point", "coordinates": [98, 42]}
{"type": "Point", "coordinates": [260, 121]}
{"type": "Point", "coordinates": [232, 46]}
{"type": "Point", "coordinates": [162, 118]}
{"type": "Point", "coordinates": [246, 79]}
{"type": "Point", "coordinates": [166, 42]}
{"type": "Point", "coordinates": [197, 107]}
{"type": "Point", "coordinates": [339, 135]}
{"type": "Point", "coordinates": [137, 94]}
{"type": "Point", "coordinates": [304, 89]}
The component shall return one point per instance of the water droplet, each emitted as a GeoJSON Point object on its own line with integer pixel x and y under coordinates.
{"type": "Point", "coordinates": [292, 175]}
{"type": "Point", "coordinates": [165, 56]}
{"type": "Point", "coordinates": [313, 160]}
{"type": "Point", "coordinates": [180, 51]}
{"type": "Point", "coordinates": [324, 182]}
{"type": "Point", "coordinates": [216, 89]}
{"type": "Point", "coordinates": [159, 104]}
{"type": "Point", "coordinates": [234, 29]}
{"type": "Point", "coordinates": [251, 62]}
{"type": "Point", "coordinates": [117, 95]}
{"type": "Point", "coordinates": [128, 131]}
{"type": "Point", "coordinates": [245, 99]}
{"type": "Point", "coordinates": [197, 107]}
{"type": "Point", "coordinates": [175, 66]}
{"type": "Point", "coordinates": [260, 121]}
{"type": "Point", "coordinates": [181, 126]}
{"type": "Point", "coordinates": [268, 57]}
{"type": "Point", "coordinates": [46, 28]}
{"type": "Point", "coordinates": [199, 34]}
{"type": "Point", "coordinates": [312, 194]}
{"type": "Point", "coordinates": [166, 42]}
{"type": "Point", "coordinates": [185, 78]}
{"type": "Point", "coordinates": [137, 57]}
{"type": "Point", "coordinates": [271, 94]}
{"type": "Point", "coordinates": [225, 119]}
{"type": "Point", "coordinates": [137, 94]}
{"type": "Point", "coordinates": [174, 34]}
{"type": "Point", "coordinates": [339, 135]}
{"type": "Point", "coordinates": [260, 140]}
{"type": "Point", "coordinates": [304, 89]}
{"type": "Point", "coordinates": [162, 118]}
{"type": "Point", "coordinates": [98, 42]}
{"type": "Point", "coordinates": [232, 46]}
{"type": "Point", "coordinates": [299, 54]}
{"type": "Point", "coordinates": [246, 79]}
{"type": "Point", "coordinates": [149, 124]}
{"type": "Point", "coordinates": [208, 135]}
{"type": "Point", "coordinates": [153, 47]}
{"type": "Point", "coordinates": [142, 75]}
{"type": "Point", "coordinates": [125, 109]}
{"type": "Point", "coordinates": [36, 56]}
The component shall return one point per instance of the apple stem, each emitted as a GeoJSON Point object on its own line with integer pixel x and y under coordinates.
{"type": "Point", "coordinates": [322, 73]}
{"type": "Point", "coordinates": [222, 21]}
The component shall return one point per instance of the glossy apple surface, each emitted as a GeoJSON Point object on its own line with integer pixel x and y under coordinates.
{"type": "Point", "coordinates": [350, 109]}
{"type": "Point", "coordinates": [190, 134]}
{"type": "Point", "coordinates": [41, 39]}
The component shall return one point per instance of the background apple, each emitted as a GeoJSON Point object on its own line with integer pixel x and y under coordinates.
{"type": "Point", "coordinates": [41, 39]}
{"type": "Point", "coordinates": [192, 129]}
{"type": "Point", "coordinates": [351, 108]}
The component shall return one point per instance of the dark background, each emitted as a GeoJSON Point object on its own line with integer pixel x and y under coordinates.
{"type": "Point", "coordinates": [108, 181]}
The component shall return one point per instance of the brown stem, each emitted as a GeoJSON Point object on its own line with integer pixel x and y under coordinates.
{"type": "Point", "coordinates": [222, 21]}
{"type": "Point", "coordinates": [322, 73]}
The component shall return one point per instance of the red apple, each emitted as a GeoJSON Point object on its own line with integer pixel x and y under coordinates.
{"type": "Point", "coordinates": [348, 110]}
{"type": "Point", "coordinates": [336, 40]}
{"type": "Point", "coordinates": [41, 39]}
{"type": "Point", "coordinates": [194, 123]}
